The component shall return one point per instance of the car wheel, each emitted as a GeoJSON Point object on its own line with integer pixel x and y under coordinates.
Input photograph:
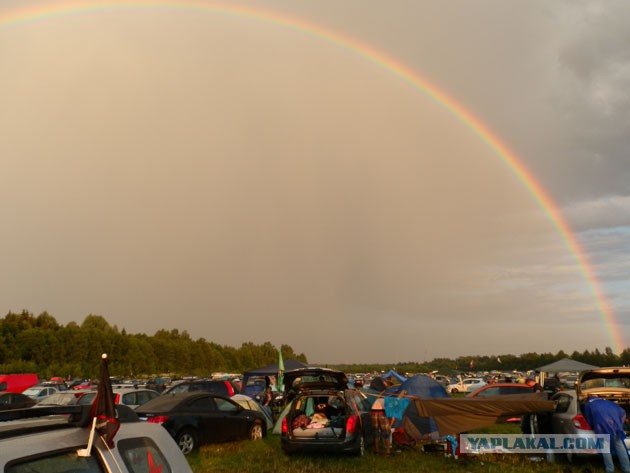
{"type": "Point", "coordinates": [454, 391]}
{"type": "Point", "coordinates": [187, 441]}
{"type": "Point", "coordinates": [256, 431]}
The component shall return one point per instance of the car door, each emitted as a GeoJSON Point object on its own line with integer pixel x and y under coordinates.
{"type": "Point", "coordinates": [562, 417]}
{"type": "Point", "coordinates": [233, 424]}
{"type": "Point", "coordinates": [208, 418]}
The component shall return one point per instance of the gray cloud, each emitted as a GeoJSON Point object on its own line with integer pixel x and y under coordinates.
{"type": "Point", "coordinates": [246, 181]}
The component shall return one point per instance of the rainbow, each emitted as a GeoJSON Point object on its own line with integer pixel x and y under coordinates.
{"type": "Point", "coordinates": [29, 13]}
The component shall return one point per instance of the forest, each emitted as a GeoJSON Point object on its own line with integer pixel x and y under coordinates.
{"type": "Point", "coordinates": [39, 344]}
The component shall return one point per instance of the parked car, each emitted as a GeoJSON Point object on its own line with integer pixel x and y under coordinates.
{"type": "Point", "coordinates": [128, 397]}
{"type": "Point", "coordinates": [347, 428]}
{"type": "Point", "coordinates": [40, 392]}
{"type": "Point", "coordinates": [570, 381]}
{"type": "Point", "coordinates": [17, 383]}
{"type": "Point", "coordinates": [567, 418]}
{"type": "Point", "coordinates": [501, 389]}
{"type": "Point", "coordinates": [9, 400]}
{"type": "Point", "coordinates": [224, 388]}
{"type": "Point", "coordinates": [466, 385]}
{"type": "Point", "coordinates": [134, 397]}
{"type": "Point", "coordinates": [66, 398]}
{"type": "Point", "coordinates": [52, 443]}
{"type": "Point", "coordinates": [198, 418]}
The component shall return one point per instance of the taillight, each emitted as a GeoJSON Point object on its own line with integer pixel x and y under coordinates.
{"type": "Point", "coordinates": [579, 421]}
{"type": "Point", "coordinates": [351, 424]}
{"type": "Point", "coordinates": [285, 426]}
{"type": "Point", "coordinates": [157, 419]}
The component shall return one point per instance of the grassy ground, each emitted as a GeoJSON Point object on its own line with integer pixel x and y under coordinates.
{"type": "Point", "coordinates": [266, 457]}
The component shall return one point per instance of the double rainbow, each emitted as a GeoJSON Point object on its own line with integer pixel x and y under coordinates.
{"type": "Point", "coordinates": [22, 14]}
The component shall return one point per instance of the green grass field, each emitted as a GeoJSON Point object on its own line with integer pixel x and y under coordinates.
{"type": "Point", "coordinates": [266, 457]}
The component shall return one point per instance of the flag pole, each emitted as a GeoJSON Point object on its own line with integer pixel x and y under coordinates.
{"type": "Point", "coordinates": [85, 452]}
{"type": "Point", "coordinates": [103, 411]}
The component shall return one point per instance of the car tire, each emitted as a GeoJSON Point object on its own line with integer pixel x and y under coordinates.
{"type": "Point", "coordinates": [256, 431]}
{"type": "Point", "coordinates": [186, 440]}
{"type": "Point", "coordinates": [530, 424]}
{"type": "Point", "coordinates": [454, 391]}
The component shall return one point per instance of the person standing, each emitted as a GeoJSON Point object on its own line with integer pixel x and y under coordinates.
{"type": "Point", "coordinates": [382, 427]}
{"type": "Point", "coordinates": [607, 417]}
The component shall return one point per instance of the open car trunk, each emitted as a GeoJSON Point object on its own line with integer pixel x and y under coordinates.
{"type": "Point", "coordinates": [318, 417]}
{"type": "Point", "coordinates": [612, 384]}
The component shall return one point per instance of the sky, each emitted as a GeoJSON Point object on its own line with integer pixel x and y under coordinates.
{"type": "Point", "coordinates": [194, 167]}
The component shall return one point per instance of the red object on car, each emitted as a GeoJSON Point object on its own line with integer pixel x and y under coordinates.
{"type": "Point", "coordinates": [17, 383]}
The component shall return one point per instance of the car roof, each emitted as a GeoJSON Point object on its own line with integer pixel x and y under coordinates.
{"type": "Point", "coordinates": [169, 401]}
{"type": "Point", "coordinates": [39, 432]}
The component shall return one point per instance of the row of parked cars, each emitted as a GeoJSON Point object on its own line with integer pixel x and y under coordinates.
{"type": "Point", "coordinates": [191, 416]}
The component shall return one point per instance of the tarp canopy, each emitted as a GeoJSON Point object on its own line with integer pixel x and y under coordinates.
{"type": "Point", "coordinates": [270, 370]}
{"type": "Point", "coordinates": [393, 374]}
{"type": "Point", "coordinates": [457, 415]}
{"type": "Point", "coordinates": [566, 364]}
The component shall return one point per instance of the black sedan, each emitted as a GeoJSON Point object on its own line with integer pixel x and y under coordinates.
{"type": "Point", "coordinates": [10, 400]}
{"type": "Point", "coordinates": [198, 418]}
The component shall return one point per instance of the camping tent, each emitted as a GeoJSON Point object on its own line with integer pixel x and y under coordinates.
{"type": "Point", "coordinates": [248, 403]}
{"type": "Point", "coordinates": [271, 370]}
{"type": "Point", "coordinates": [566, 364]}
{"type": "Point", "coordinates": [423, 387]}
{"type": "Point", "coordinates": [561, 366]}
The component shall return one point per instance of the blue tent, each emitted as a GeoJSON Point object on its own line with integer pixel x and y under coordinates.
{"type": "Point", "coordinates": [420, 386]}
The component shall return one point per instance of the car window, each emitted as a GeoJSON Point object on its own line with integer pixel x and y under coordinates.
{"type": "Point", "coordinates": [57, 463]}
{"type": "Point", "coordinates": [129, 399]}
{"type": "Point", "coordinates": [514, 390]}
{"type": "Point", "coordinates": [142, 455]}
{"type": "Point", "coordinates": [144, 396]}
{"type": "Point", "coordinates": [494, 391]}
{"type": "Point", "coordinates": [563, 402]}
{"type": "Point", "coordinates": [180, 388]}
{"type": "Point", "coordinates": [224, 405]}
{"type": "Point", "coordinates": [86, 399]}
{"type": "Point", "coordinates": [203, 404]}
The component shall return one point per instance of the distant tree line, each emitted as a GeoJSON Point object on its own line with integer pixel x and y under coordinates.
{"type": "Point", "coordinates": [503, 363]}
{"type": "Point", "coordinates": [39, 344]}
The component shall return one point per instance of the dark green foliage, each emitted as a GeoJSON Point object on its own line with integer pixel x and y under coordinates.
{"type": "Point", "coordinates": [41, 345]}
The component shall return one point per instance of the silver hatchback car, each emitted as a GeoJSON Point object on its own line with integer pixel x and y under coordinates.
{"type": "Point", "coordinates": [612, 384]}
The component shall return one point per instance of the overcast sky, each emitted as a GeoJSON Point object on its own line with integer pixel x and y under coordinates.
{"type": "Point", "coordinates": [247, 181]}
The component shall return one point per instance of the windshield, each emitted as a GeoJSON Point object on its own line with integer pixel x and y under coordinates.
{"type": "Point", "coordinates": [606, 382]}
